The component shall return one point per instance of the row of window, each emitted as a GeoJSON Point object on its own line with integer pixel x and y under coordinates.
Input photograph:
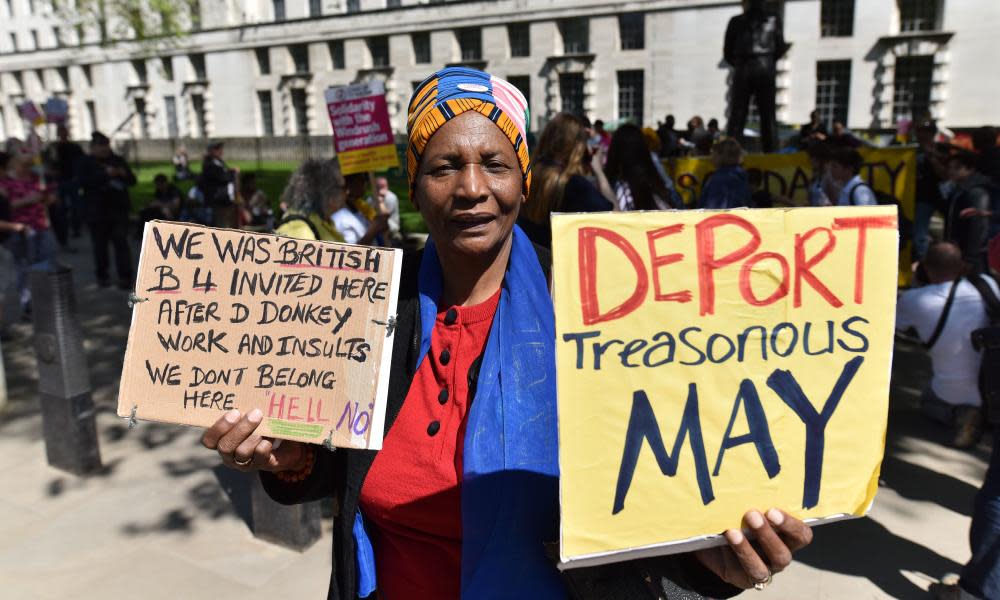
{"type": "Point", "coordinates": [913, 80]}
{"type": "Point", "coordinates": [837, 16]}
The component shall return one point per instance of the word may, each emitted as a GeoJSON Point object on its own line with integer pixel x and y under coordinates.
{"type": "Point", "coordinates": [708, 262]}
{"type": "Point", "coordinates": [643, 427]}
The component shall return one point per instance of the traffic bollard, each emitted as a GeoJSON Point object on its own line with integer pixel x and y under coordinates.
{"type": "Point", "coordinates": [68, 423]}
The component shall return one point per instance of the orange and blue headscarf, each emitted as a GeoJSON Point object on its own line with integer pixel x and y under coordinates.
{"type": "Point", "coordinates": [455, 90]}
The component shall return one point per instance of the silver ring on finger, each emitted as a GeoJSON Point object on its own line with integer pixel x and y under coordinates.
{"type": "Point", "coordinates": [759, 585]}
{"type": "Point", "coordinates": [243, 463]}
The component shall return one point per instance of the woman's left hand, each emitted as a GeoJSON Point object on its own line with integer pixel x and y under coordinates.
{"type": "Point", "coordinates": [750, 562]}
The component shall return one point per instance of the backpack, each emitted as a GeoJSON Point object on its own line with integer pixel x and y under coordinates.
{"type": "Point", "coordinates": [986, 341]}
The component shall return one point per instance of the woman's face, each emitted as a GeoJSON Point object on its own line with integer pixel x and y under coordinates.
{"type": "Point", "coordinates": [469, 186]}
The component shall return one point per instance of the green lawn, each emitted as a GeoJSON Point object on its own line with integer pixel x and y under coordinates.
{"type": "Point", "coordinates": [271, 179]}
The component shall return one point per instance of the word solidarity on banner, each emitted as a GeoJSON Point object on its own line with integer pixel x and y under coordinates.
{"type": "Point", "coordinates": [710, 362]}
{"type": "Point", "coordinates": [891, 172]}
{"type": "Point", "coordinates": [362, 135]}
{"type": "Point", "coordinates": [227, 319]}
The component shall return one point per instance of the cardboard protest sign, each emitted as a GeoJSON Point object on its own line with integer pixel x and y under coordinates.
{"type": "Point", "coordinates": [710, 362]}
{"type": "Point", "coordinates": [891, 172]}
{"type": "Point", "coordinates": [226, 319]}
{"type": "Point", "coordinates": [362, 135]}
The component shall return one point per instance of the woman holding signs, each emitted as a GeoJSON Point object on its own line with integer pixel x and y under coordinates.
{"type": "Point", "coordinates": [462, 500]}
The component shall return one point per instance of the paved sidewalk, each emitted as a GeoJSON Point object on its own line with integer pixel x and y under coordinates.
{"type": "Point", "coordinates": [165, 520]}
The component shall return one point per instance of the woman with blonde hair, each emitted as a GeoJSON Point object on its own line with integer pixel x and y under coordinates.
{"type": "Point", "coordinates": [728, 186]}
{"type": "Point", "coordinates": [559, 177]}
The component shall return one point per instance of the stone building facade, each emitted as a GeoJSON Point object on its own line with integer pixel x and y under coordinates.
{"type": "Point", "coordinates": [259, 67]}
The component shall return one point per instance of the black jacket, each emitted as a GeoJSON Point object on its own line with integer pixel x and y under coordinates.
{"type": "Point", "coordinates": [970, 234]}
{"type": "Point", "coordinates": [342, 473]}
{"type": "Point", "coordinates": [214, 181]}
{"type": "Point", "coordinates": [106, 197]}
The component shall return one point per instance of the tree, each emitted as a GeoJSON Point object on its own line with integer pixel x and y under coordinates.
{"type": "Point", "coordinates": [150, 23]}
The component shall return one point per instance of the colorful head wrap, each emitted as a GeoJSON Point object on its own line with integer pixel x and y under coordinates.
{"type": "Point", "coordinates": [455, 90]}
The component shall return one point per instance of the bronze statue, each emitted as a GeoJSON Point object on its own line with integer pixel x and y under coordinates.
{"type": "Point", "coordinates": [754, 43]}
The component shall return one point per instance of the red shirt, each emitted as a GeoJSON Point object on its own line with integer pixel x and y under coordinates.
{"type": "Point", "coordinates": [411, 497]}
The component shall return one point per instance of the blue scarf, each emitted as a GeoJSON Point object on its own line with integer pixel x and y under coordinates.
{"type": "Point", "coordinates": [510, 489]}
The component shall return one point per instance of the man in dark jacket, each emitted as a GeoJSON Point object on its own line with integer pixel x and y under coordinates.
{"type": "Point", "coordinates": [967, 220]}
{"type": "Point", "coordinates": [105, 178]}
{"type": "Point", "coordinates": [754, 43]}
{"type": "Point", "coordinates": [67, 213]}
{"type": "Point", "coordinates": [214, 182]}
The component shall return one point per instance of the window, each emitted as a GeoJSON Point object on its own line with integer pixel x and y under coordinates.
{"type": "Point", "coordinates": [836, 18]}
{"type": "Point", "coordinates": [571, 93]}
{"type": "Point", "coordinates": [631, 86]}
{"type": "Point", "coordinates": [31, 7]}
{"type": "Point", "coordinates": [833, 85]}
{"type": "Point", "coordinates": [519, 38]}
{"type": "Point", "coordinates": [353, 6]}
{"type": "Point", "coordinates": [315, 8]}
{"type": "Point", "coordinates": [911, 98]}
{"type": "Point", "coordinates": [57, 37]}
{"type": "Point", "coordinates": [63, 73]}
{"type": "Point", "coordinates": [421, 47]}
{"type": "Point", "coordinates": [393, 3]}
{"type": "Point", "coordinates": [263, 60]}
{"type": "Point", "coordinates": [81, 36]}
{"type": "Point", "coordinates": [194, 8]}
{"type": "Point", "coordinates": [198, 104]}
{"type": "Point", "coordinates": [300, 57]}
{"type": "Point", "coordinates": [279, 9]}
{"type": "Point", "coordinates": [266, 112]}
{"type": "Point", "coordinates": [173, 131]}
{"type": "Point", "coordinates": [140, 111]}
{"type": "Point", "coordinates": [575, 35]}
{"type": "Point", "coordinates": [379, 49]}
{"type": "Point", "coordinates": [632, 31]}
{"type": "Point", "coordinates": [198, 66]}
{"type": "Point", "coordinates": [470, 43]}
{"type": "Point", "coordinates": [88, 74]}
{"type": "Point", "coordinates": [13, 41]}
{"type": "Point", "coordinates": [140, 71]}
{"type": "Point", "coordinates": [167, 64]}
{"type": "Point", "coordinates": [92, 116]}
{"type": "Point", "coordinates": [522, 83]}
{"type": "Point", "coordinates": [337, 54]}
{"type": "Point", "coordinates": [34, 40]}
{"type": "Point", "coordinates": [918, 15]}
{"type": "Point", "coordinates": [301, 115]}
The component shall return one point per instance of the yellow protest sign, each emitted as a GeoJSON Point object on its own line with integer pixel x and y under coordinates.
{"type": "Point", "coordinates": [710, 362]}
{"type": "Point", "coordinates": [891, 172]}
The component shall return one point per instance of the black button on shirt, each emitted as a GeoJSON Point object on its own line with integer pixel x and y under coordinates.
{"type": "Point", "coordinates": [445, 357]}
{"type": "Point", "coordinates": [433, 428]}
{"type": "Point", "coordinates": [443, 396]}
{"type": "Point", "coordinates": [451, 316]}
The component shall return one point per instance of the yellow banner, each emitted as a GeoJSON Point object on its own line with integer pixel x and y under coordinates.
{"type": "Point", "coordinates": [710, 362]}
{"type": "Point", "coordinates": [375, 158]}
{"type": "Point", "coordinates": [891, 172]}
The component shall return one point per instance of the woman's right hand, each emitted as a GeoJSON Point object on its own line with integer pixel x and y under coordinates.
{"type": "Point", "coordinates": [234, 438]}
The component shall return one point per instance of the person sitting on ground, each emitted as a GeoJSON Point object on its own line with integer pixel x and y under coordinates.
{"type": "Point", "coordinates": [632, 173]}
{"type": "Point", "coordinates": [314, 192]}
{"type": "Point", "coordinates": [841, 136]}
{"type": "Point", "coordinates": [813, 131]}
{"type": "Point", "coordinates": [727, 186]}
{"type": "Point", "coordinates": [844, 168]}
{"type": "Point", "coordinates": [255, 207]}
{"type": "Point", "coordinates": [357, 221]}
{"type": "Point", "coordinates": [953, 397]}
{"type": "Point", "coordinates": [559, 182]}
{"type": "Point", "coordinates": [967, 218]}
{"type": "Point", "coordinates": [166, 202]}
{"type": "Point", "coordinates": [713, 129]}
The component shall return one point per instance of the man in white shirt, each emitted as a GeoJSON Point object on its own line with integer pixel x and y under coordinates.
{"type": "Point", "coordinates": [844, 166]}
{"type": "Point", "coordinates": [390, 203]}
{"type": "Point", "coordinates": [953, 396]}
